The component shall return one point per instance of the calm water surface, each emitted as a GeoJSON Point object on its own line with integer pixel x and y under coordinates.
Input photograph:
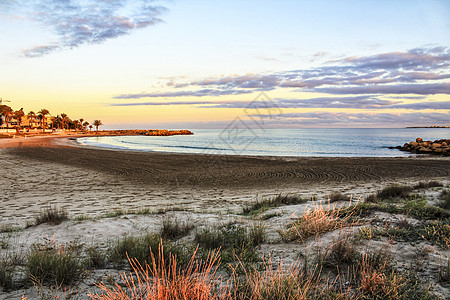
{"type": "Point", "coordinates": [278, 142]}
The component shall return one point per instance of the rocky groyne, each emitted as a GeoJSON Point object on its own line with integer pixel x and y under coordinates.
{"type": "Point", "coordinates": [439, 147]}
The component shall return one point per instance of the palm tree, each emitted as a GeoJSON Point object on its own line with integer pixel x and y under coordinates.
{"type": "Point", "coordinates": [18, 115]}
{"type": "Point", "coordinates": [31, 118]}
{"type": "Point", "coordinates": [81, 123]}
{"type": "Point", "coordinates": [64, 120]}
{"type": "Point", "coordinates": [97, 123]}
{"type": "Point", "coordinates": [42, 113]}
{"type": "Point", "coordinates": [85, 125]}
{"type": "Point", "coordinates": [7, 112]}
{"type": "Point", "coordinates": [90, 127]}
{"type": "Point", "coordinates": [76, 123]}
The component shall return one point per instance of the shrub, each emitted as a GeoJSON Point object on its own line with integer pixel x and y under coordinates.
{"type": "Point", "coordinates": [174, 229]}
{"type": "Point", "coordinates": [51, 215]}
{"type": "Point", "coordinates": [394, 191]}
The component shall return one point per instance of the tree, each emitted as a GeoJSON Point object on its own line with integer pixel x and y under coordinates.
{"type": "Point", "coordinates": [85, 125]}
{"type": "Point", "coordinates": [7, 112]}
{"type": "Point", "coordinates": [31, 118]}
{"type": "Point", "coordinates": [97, 123]}
{"type": "Point", "coordinates": [42, 113]}
{"type": "Point", "coordinates": [76, 124]}
{"type": "Point", "coordinates": [90, 127]}
{"type": "Point", "coordinates": [81, 123]}
{"type": "Point", "coordinates": [64, 119]}
{"type": "Point", "coordinates": [18, 115]}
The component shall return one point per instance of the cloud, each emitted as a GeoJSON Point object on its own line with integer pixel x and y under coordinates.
{"type": "Point", "coordinates": [78, 22]}
{"type": "Point", "coordinates": [420, 89]}
{"type": "Point", "coordinates": [198, 93]}
{"type": "Point", "coordinates": [353, 119]}
{"type": "Point", "coordinates": [417, 71]}
{"type": "Point", "coordinates": [354, 102]}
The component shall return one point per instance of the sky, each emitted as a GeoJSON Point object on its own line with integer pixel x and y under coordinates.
{"type": "Point", "coordinates": [203, 64]}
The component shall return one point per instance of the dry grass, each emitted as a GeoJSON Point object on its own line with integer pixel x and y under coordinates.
{"type": "Point", "coordinates": [278, 283]}
{"type": "Point", "coordinates": [165, 280]}
{"type": "Point", "coordinates": [51, 215]}
{"type": "Point", "coordinates": [315, 222]}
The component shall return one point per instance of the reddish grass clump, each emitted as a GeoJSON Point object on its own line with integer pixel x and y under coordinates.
{"type": "Point", "coordinates": [166, 281]}
{"type": "Point", "coordinates": [317, 221]}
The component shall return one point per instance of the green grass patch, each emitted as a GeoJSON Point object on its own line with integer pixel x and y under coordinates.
{"type": "Point", "coordinates": [142, 248]}
{"type": "Point", "coordinates": [265, 204]}
{"type": "Point", "coordinates": [54, 265]}
{"type": "Point", "coordinates": [237, 242]}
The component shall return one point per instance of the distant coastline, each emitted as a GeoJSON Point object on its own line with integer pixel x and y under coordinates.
{"type": "Point", "coordinates": [435, 126]}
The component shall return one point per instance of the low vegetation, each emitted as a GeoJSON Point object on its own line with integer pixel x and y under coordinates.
{"type": "Point", "coordinates": [54, 264]}
{"type": "Point", "coordinates": [51, 215]}
{"type": "Point", "coordinates": [427, 185]}
{"type": "Point", "coordinates": [173, 229]}
{"type": "Point", "coordinates": [338, 196]}
{"type": "Point", "coordinates": [395, 191]}
{"type": "Point", "coordinates": [236, 242]}
{"type": "Point", "coordinates": [180, 262]}
{"type": "Point", "coordinates": [162, 278]}
{"type": "Point", "coordinates": [265, 204]}
{"type": "Point", "coordinates": [143, 248]}
{"type": "Point", "coordinates": [316, 221]}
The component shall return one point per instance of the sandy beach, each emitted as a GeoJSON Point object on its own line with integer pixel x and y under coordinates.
{"type": "Point", "coordinates": [205, 190]}
{"type": "Point", "coordinates": [41, 171]}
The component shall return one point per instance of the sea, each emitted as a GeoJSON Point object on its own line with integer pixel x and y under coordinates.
{"type": "Point", "coordinates": [277, 142]}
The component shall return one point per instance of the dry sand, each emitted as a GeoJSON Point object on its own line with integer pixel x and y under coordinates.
{"type": "Point", "coordinates": [41, 171]}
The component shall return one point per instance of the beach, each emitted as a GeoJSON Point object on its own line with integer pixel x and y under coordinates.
{"type": "Point", "coordinates": [110, 194]}
{"type": "Point", "coordinates": [42, 171]}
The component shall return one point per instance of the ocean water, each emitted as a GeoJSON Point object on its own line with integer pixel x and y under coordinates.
{"type": "Point", "coordinates": [278, 142]}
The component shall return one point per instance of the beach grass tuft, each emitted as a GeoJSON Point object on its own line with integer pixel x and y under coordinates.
{"type": "Point", "coordinates": [163, 278]}
{"type": "Point", "coordinates": [427, 185]}
{"type": "Point", "coordinates": [236, 242]}
{"type": "Point", "coordinates": [51, 215]}
{"type": "Point", "coordinates": [172, 229]}
{"type": "Point", "coordinates": [338, 196]}
{"type": "Point", "coordinates": [7, 270]}
{"type": "Point", "coordinates": [394, 191]}
{"type": "Point", "coordinates": [444, 198]}
{"type": "Point", "coordinates": [316, 221]}
{"type": "Point", "coordinates": [267, 203]}
{"type": "Point", "coordinates": [54, 264]}
{"type": "Point", "coordinates": [142, 248]}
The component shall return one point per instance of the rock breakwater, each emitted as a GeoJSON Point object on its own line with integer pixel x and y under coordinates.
{"type": "Point", "coordinates": [439, 147]}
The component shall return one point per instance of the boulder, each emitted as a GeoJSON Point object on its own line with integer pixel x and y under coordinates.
{"type": "Point", "coordinates": [435, 145]}
{"type": "Point", "coordinates": [419, 140]}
